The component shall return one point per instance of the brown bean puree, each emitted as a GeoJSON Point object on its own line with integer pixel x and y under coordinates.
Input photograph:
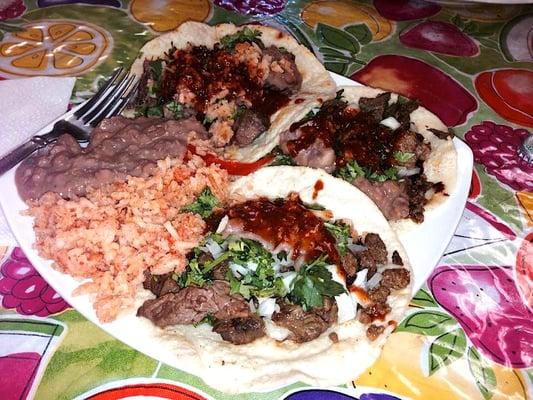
{"type": "Point", "coordinates": [119, 147]}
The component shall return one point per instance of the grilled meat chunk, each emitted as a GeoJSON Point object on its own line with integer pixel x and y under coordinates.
{"type": "Point", "coordinates": [306, 325]}
{"type": "Point", "coordinates": [241, 330]}
{"type": "Point", "coordinates": [191, 304]}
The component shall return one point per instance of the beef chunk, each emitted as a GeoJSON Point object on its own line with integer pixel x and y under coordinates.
{"type": "Point", "coordinates": [283, 74]}
{"type": "Point", "coordinates": [191, 304]}
{"type": "Point", "coordinates": [240, 330]}
{"type": "Point", "coordinates": [375, 106]}
{"type": "Point", "coordinates": [373, 312]}
{"type": "Point", "coordinates": [376, 247]}
{"type": "Point", "coordinates": [390, 196]}
{"type": "Point", "coordinates": [373, 332]}
{"type": "Point", "coordinates": [441, 134]}
{"type": "Point", "coordinates": [350, 266]}
{"type": "Point", "coordinates": [397, 278]}
{"type": "Point", "coordinates": [219, 272]}
{"type": "Point", "coordinates": [379, 294]}
{"type": "Point", "coordinates": [317, 156]}
{"type": "Point", "coordinates": [416, 189]}
{"type": "Point", "coordinates": [248, 126]}
{"type": "Point", "coordinates": [401, 111]}
{"type": "Point", "coordinates": [396, 259]}
{"type": "Point", "coordinates": [306, 325]}
{"type": "Point", "coordinates": [160, 284]}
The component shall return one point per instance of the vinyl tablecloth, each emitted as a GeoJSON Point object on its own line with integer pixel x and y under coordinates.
{"type": "Point", "coordinates": [469, 331]}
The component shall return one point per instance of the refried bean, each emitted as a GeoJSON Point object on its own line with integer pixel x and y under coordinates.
{"type": "Point", "coordinates": [119, 147]}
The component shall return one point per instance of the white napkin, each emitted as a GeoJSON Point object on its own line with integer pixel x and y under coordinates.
{"type": "Point", "coordinates": [26, 106]}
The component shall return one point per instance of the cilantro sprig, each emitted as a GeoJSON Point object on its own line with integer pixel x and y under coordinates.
{"type": "Point", "coordinates": [353, 170]}
{"type": "Point", "coordinates": [403, 156]}
{"type": "Point", "coordinates": [244, 35]}
{"type": "Point", "coordinates": [203, 205]}
{"type": "Point", "coordinates": [312, 282]}
{"type": "Point", "coordinates": [342, 234]}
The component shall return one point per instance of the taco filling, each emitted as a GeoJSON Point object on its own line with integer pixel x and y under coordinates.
{"type": "Point", "coordinates": [281, 269]}
{"type": "Point", "coordinates": [373, 146]}
{"type": "Point", "coordinates": [232, 89]}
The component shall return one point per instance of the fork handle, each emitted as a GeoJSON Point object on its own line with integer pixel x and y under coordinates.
{"type": "Point", "coordinates": [24, 150]}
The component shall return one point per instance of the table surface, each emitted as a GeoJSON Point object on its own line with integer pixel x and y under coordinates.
{"type": "Point", "coordinates": [469, 331]}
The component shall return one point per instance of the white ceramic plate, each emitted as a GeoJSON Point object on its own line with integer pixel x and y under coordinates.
{"type": "Point", "coordinates": [424, 246]}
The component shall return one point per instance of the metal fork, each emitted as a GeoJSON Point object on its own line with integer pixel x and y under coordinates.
{"type": "Point", "coordinates": [110, 100]}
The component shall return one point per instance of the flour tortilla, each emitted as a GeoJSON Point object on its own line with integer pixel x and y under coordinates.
{"type": "Point", "coordinates": [316, 81]}
{"type": "Point", "coordinates": [441, 166]}
{"type": "Point", "coordinates": [265, 363]}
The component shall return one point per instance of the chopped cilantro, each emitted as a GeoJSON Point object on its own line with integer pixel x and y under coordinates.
{"type": "Point", "coordinates": [282, 159]}
{"type": "Point", "coordinates": [403, 157]}
{"type": "Point", "coordinates": [261, 282]}
{"type": "Point", "coordinates": [203, 205]}
{"type": "Point", "coordinates": [175, 108]}
{"type": "Point", "coordinates": [239, 111]}
{"type": "Point", "coordinates": [149, 111]}
{"type": "Point", "coordinates": [342, 233]}
{"type": "Point", "coordinates": [156, 72]}
{"type": "Point", "coordinates": [198, 274]}
{"type": "Point", "coordinates": [315, 206]}
{"type": "Point", "coordinates": [207, 121]}
{"type": "Point", "coordinates": [312, 282]}
{"type": "Point", "coordinates": [353, 170]}
{"type": "Point", "coordinates": [208, 319]}
{"type": "Point", "coordinates": [244, 35]}
{"type": "Point", "coordinates": [350, 171]}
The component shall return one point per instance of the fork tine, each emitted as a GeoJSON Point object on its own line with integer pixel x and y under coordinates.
{"type": "Point", "coordinates": [93, 100]}
{"type": "Point", "coordinates": [114, 101]}
{"type": "Point", "coordinates": [108, 96]}
{"type": "Point", "coordinates": [125, 100]}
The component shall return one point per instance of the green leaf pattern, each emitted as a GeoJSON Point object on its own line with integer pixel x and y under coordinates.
{"type": "Point", "coordinates": [482, 373]}
{"type": "Point", "coordinates": [445, 349]}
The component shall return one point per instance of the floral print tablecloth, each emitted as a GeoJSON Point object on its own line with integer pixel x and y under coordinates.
{"type": "Point", "coordinates": [469, 331]}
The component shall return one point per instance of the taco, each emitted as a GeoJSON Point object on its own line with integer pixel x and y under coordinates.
{"type": "Point", "coordinates": [300, 279]}
{"type": "Point", "coordinates": [398, 153]}
{"type": "Point", "coordinates": [242, 83]}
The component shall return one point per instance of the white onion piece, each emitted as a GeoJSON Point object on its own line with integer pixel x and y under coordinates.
{"type": "Point", "coordinates": [373, 282]}
{"type": "Point", "coordinates": [252, 305]}
{"type": "Point", "coordinates": [403, 172]}
{"type": "Point", "coordinates": [287, 278]}
{"type": "Point", "coordinates": [223, 223]}
{"type": "Point", "coordinates": [391, 122]}
{"type": "Point", "coordinates": [274, 331]}
{"type": "Point", "coordinates": [267, 307]}
{"type": "Point", "coordinates": [354, 248]}
{"type": "Point", "coordinates": [360, 278]}
{"type": "Point", "coordinates": [238, 270]}
{"type": "Point", "coordinates": [345, 304]}
{"type": "Point", "coordinates": [214, 248]}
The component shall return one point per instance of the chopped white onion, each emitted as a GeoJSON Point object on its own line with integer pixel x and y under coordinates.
{"type": "Point", "coordinates": [373, 282]}
{"type": "Point", "coordinates": [391, 122]}
{"type": "Point", "coordinates": [274, 331]}
{"type": "Point", "coordinates": [345, 304]}
{"type": "Point", "coordinates": [354, 248]}
{"type": "Point", "coordinates": [223, 223]}
{"type": "Point", "coordinates": [238, 270]}
{"type": "Point", "coordinates": [403, 172]}
{"type": "Point", "coordinates": [252, 305]}
{"type": "Point", "coordinates": [214, 248]}
{"type": "Point", "coordinates": [360, 278]}
{"type": "Point", "coordinates": [287, 278]}
{"type": "Point", "coordinates": [267, 307]}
